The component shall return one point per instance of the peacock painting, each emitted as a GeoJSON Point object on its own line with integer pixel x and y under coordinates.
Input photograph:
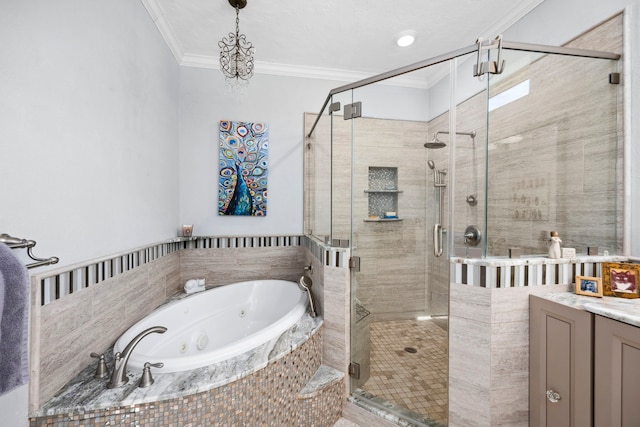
{"type": "Point", "coordinates": [242, 180]}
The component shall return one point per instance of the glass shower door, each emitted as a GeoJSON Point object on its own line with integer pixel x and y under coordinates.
{"type": "Point", "coordinates": [398, 343]}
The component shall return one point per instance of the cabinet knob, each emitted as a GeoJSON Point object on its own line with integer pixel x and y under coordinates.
{"type": "Point", "coordinates": [553, 396]}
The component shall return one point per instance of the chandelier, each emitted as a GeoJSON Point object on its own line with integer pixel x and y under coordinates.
{"type": "Point", "coordinates": [236, 52]}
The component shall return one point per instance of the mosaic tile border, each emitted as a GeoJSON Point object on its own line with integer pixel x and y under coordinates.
{"type": "Point", "coordinates": [56, 284]}
{"type": "Point", "coordinates": [524, 272]}
{"type": "Point", "coordinates": [328, 255]}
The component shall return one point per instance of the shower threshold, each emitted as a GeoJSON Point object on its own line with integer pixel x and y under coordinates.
{"type": "Point", "coordinates": [389, 411]}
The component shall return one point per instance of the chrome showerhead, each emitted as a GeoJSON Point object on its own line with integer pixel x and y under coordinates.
{"type": "Point", "coordinates": [435, 143]}
{"type": "Point", "coordinates": [431, 164]}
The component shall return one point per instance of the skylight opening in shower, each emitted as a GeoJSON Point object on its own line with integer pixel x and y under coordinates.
{"type": "Point", "coordinates": [508, 96]}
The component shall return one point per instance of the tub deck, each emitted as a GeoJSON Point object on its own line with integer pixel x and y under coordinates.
{"type": "Point", "coordinates": [85, 393]}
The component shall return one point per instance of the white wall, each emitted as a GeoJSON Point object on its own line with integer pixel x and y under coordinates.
{"type": "Point", "coordinates": [88, 127]}
{"type": "Point", "coordinates": [280, 102]}
{"type": "Point", "coordinates": [88, 133]}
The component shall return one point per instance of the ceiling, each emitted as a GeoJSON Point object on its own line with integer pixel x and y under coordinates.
{"type": "Point", "coordinates": [344, 40]}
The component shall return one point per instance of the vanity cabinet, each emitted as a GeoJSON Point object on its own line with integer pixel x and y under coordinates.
{"type": "Point", "coordinates": [617, 374]}
{"type": "Point", "coordinates": [584, 369]}
{"type": "Point", "coordinates": [560, 363]}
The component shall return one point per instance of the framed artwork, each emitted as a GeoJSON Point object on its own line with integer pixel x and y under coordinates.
{"type": "Point", "coordinates": [620, 279]}
{"type": "Point", "coordinates": [243, 167]}
{"type": "Point", "coordinates": [589, 286]}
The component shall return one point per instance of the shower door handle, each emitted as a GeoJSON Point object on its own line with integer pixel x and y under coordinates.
{"type": "Point", "coordinates": [437, 240]}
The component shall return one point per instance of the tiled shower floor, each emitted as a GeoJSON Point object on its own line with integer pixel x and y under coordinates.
{"type": "Point", "coordinates": [416, 381]}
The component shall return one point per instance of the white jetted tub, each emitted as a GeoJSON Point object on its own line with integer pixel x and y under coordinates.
{"type": "Point", "coordinates": [214, 325]}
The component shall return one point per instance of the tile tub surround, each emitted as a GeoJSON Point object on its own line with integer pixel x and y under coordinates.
{"type": "Point", "coordinates": [259, 393]}
{"type": "Point", "coordinates": [121, 289]}
{"type": "Point", "coordinates": [65, 331]}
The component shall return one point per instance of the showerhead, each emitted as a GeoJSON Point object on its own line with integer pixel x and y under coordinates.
{"type": "Point", "coordinates": [431, 164]}
{"type": "Point", "coordinates": [435, 143]}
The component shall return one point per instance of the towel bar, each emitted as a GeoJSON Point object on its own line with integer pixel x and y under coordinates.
{"type": "Point", "coordinates": [17, 243]}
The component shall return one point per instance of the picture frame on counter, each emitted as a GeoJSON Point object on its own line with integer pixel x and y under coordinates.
{"type": "Point", "coordinates": [589, 286]}
{"type": "Point", "coordinates": [621, 279]}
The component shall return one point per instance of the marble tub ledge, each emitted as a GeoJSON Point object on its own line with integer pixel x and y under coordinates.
{"type": "Point", "coordinates": [85, 393]}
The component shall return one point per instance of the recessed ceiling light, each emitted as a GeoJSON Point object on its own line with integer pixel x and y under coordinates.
{"type": "Point", "coordinates": [405, 38]}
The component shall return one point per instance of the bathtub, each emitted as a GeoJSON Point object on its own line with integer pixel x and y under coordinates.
{"type": "Point", "coordinates": [211, 326]}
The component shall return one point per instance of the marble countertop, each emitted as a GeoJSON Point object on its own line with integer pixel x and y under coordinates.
{"type": "Point", "coordinates": [87, 393]}
{"type": "Point", "coordinates": [621, 309]}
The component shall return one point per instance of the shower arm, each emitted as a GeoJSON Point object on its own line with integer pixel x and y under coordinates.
{"type": "Point", "coordinates": [472, 134]}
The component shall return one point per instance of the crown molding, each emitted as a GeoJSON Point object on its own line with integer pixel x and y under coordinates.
{"type": "Point", "coordinates": [510, 19]}
{"type": "Point", "coordinates": [288, 70]}
{"type": "Point", "coordinates": [204, 61]}
{"type": "Point", "coordinates": [157, 16]}
{"type": "Point", "coordinates": [301, 71]}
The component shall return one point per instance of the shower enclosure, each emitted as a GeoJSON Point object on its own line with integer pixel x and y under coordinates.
{"type": "Point", "coordinates": [422, 164]}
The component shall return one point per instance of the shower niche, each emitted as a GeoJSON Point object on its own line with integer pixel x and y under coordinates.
{"type": "Point", "coordinates": [383, 194]}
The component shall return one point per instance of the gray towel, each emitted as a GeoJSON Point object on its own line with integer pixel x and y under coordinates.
{"type": "Point", "coordinates": [14, 323]}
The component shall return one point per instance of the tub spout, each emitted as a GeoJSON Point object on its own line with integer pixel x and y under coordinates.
{"type": "Point", "coordinates": [305, 284]}
{"type": "Point", "coordinates": [119, 374]}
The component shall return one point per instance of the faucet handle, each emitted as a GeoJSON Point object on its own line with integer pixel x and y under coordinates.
{"type": "Point", "coordinates": [102, 370]}
{"type": "Point", "coordinates": [147, 379]}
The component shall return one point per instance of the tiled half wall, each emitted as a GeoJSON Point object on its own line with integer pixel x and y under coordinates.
{"type": "Point", "coordinates": [489, 333]}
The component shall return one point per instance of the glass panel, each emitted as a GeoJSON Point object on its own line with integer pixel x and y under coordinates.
{"type": "Point", "coordinates": [467, 173]}
{"type": "Point", "coordinates": [317, 179]}
{"type": "Point", "coordinates": [553, 153]}
{"type": "Point", "coordinates": [341, 135]}
{"type": "Point", "coordinates": [399, 312]}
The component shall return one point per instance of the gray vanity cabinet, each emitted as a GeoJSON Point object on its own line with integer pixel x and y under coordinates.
{"type": "Point", "coordinates": [560, 365]}
{"type": "Point", "coordinates": [584, 369]}
{"type": "Point", "coordinates": [617, 374]}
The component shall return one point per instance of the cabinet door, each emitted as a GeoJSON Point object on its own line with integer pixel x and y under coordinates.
{"type": "Point", "coordinates": [560, 361]}
{"type": "Point", "coordinates": [617, 374]}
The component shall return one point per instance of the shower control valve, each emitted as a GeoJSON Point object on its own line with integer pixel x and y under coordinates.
{"type": "Point", "coordinates": [472, 236]}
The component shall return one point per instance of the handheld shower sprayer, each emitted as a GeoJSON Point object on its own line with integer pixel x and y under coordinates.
{"type": "Point", "coordinates": [305, 284]}
{"type": "Point", "coordinates": [438, 175]}
{"type": "Point", "coordinates": [432, 166]}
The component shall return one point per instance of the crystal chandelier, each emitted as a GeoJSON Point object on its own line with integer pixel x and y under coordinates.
{"type": "Point", "coordinates": [236, 52]}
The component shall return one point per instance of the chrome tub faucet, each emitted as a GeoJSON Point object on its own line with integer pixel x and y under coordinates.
{"type": "Point", "coordinates": [119, 374]}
